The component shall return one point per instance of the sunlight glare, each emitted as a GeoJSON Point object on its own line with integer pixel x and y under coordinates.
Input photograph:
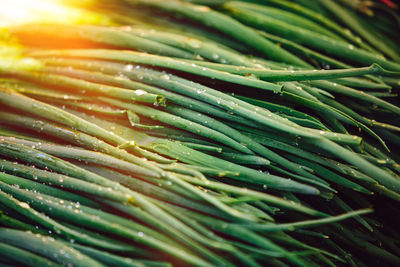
{"type": "Point", "coordinates": [17, 12]}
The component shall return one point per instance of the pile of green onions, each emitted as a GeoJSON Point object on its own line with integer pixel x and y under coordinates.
{"type": "Point", "coordinates": [203, 133]}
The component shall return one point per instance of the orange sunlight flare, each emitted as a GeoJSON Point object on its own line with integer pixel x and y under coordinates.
{"type": "Point", "coordinates": [17, 12]}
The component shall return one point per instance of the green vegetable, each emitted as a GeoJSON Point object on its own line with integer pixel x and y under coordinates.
{"type": "Point", "coordinates": [202, 133]}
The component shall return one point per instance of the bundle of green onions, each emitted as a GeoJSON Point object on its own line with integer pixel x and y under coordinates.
{"type": "Point", "coordinates": [203, 133]}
